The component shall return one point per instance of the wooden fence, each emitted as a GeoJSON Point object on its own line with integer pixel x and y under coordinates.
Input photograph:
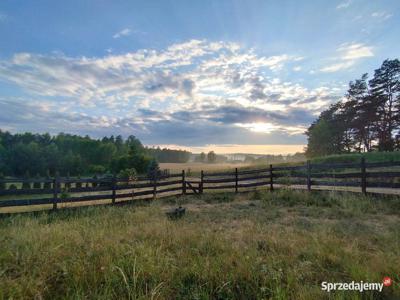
{"type": "Point", "coordinates": [56, 191]}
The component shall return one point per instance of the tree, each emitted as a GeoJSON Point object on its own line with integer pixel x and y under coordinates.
{"type": "Point", "coordinates": [202, 157]}
{"type": "Point", "coordinates": [369, 117]}
{"type": "Point", "coordinates": [211, 157]}
{"type": "Point", "coordinates": [153, 170]}
{"type": "Point", "coordinates": [385, 90]}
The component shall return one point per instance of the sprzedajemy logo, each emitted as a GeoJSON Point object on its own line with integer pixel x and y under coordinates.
{"type": "Point", "coordinates": [356, 286]}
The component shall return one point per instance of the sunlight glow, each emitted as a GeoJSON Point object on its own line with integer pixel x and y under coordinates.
{"type": "Point", "coordinates": [259, 127]}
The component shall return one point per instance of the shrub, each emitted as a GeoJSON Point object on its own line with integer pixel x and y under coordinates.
{"type": "Point", "coordinates": [153, 170]}
{"type": "Point", "coordinates": [97, 169]}
{"type": "Point", "coordinates": [37, 184]}
{"type": "Point", "coordinates": [78, 184]}
{"type": "Point", "coordinates": [47, 184]}
{"type": "Point", "coordinates": [12, 187]}
{"type": "Point", "coordinates": [2, 184]}
{"type": "Point", "coordinates": [129, 175]}
{"type": "Point", "coordinates": [68, 184]}
{"type": "Point", "coordinates": [26, 184]}
{"type": "Point", "coordinates": [95, 178]}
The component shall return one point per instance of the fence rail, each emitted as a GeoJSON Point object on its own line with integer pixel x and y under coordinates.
{"type": "Point", "coordinates": [56, 191]}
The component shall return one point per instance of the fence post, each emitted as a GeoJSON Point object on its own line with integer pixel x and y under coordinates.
{"type": "Point", "coordinates": [155, 187]}
{"type": "Point", "coordinates": [236, 180]}
{"type": "Point", "coordinates": [363, 176]}
{"type": "Point", "coordinates": [55, 192]}
{"type": "Point", "coordinates": [201, 182]}
{"type": "Point", "coordinates": [271, 179]}
{"type": "Point", "coordinates": [308, 176]}
{"type": "Point", "coordinates": [114, 186]}
{"type": "Point", "coordinates": [183, 183]}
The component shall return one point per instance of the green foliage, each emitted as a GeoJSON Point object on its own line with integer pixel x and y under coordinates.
{"type": "Point", "coordinates": [47, 184]}
{"type": "Point", "coordinates": [97, 169]}
{"type": "Point", "coordinates": [153, 170]}
{"type": "Point", "coordinates": [211, 157]}
{"type": "Point", "coordinates": [65, 194]}
{"type": "Point", "coordinates": [356, 157]}
{"type": "Point", "coordinates": [78, 184]}
{"type": "Point", "coordinates": [12, 187]}
{"type": "Point", "coordinates": [128, 174]}
{"type": "Point", "coordinates": [367, 120]}
{"type": "Point", "coordinates": [95, 182]}
{"type": "Point", "coordinates": [26, 184]}
{"type": "Point", "coordinates": [65, 153]}
{"type": "Point", "coordinates": [37, 184]}
{"type": "Point", "coordinates": [2, 184]}
{"type": "Point", "coordinates": [168, 155]}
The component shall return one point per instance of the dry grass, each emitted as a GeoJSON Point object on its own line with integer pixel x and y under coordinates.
{"type": "Point", "coordinates": [262, 245]}
{"type": "Point", "coordinates": [197, 167]}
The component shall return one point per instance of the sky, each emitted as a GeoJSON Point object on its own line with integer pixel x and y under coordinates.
{"type": "Point", "coordinates": [232, 76]}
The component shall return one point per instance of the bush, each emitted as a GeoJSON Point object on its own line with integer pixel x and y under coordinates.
{"type": "Point", "coordinates": [37, 184]}
{"type": "Point", "coordinates": [97, 169]}
{"type": "Point", "coordinates": [95, 178]}
{"type": "Point", "coordinates": [2, 184]}
{"type": "Point", "coordinates": [107, 180]}
{"type": "Point", "coordinates": [78, 184]}
{"type": "Point", "coordinates": [128, 174]}
{"type": "Point", "coordinates": [47, 184]}
{"type": "Point", "coordinates": [68, 184]}
{"type": "Point", "coordinates": [26, 184]}
{"type": "Point", "coordinates": [153, 170]}
{"type": "Point", "coordinates": [12, 187]}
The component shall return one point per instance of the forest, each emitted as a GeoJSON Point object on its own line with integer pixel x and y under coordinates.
{"type": "Point", "coordinates": [366, 119]}
{"type": "Point", "coordinates": [30, 154]}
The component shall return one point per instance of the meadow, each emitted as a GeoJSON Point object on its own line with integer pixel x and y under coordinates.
{"type": "Point", "coordinates": [195, 167]}
{"type": "Point", "coordinates": [258, 245]}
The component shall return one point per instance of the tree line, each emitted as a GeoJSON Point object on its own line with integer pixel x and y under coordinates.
{"type": "Point", "coordinates": [30, 154]}
{"type": "Point", "coordinates": [367, 119]}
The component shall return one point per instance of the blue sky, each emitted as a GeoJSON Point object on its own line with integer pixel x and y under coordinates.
{"type": "Point", "coordinates": [235, 76]}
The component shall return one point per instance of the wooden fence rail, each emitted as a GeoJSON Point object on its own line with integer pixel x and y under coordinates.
{"type": "Point", "coordinates": [56, 191]}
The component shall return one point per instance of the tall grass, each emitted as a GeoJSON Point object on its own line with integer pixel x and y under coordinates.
{"type": "Point", "coordinates": [279, 245]}
{"type": "Point", "coordinates": [356, 157]}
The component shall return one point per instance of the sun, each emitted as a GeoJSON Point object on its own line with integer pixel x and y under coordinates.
{"type": "Point", "coordinates": [259, 127]}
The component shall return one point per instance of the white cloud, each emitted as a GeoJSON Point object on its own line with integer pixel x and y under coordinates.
{"type": "Point", "coordinates": [381, 15]}
{"type": "Point", "coordinates": [297, 68]}
{"type": "Point", "coordinates": [183, 77]}
{"type": "Point", "coordinates": [355, 51]}
{"type": "Point", "coordinates": [123, 32]}
{"type": "Point", "coordinates": [337, 67]}
{"type": "Point", "coordinates": [349, 53]}
{"type": "Point", "coordinates": [343, 4]}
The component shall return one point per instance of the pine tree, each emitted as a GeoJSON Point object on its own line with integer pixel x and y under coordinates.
{"type": "Point", "coordinates": [385, 89]}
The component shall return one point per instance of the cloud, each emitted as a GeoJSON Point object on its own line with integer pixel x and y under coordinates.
{"type": "Point", "coordinates": [122, 33]}
{"type": "Point", "coordinates": [349, 53]}
{"type": "Point", "coordinates": [344, 4]}
{"type": "Point", "coordinates": [355, 51]}
{"type": "Point", "coordinates": [337, 67]}
{"type": "Point", "coordinates": [190, 92]}
{"type": "Point", "coordinates": [381, 15]}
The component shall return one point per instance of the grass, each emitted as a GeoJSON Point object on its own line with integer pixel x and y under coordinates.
{"type": "Point", "coordinates": [261, 245]}
{"type": "Point", "coordinates": [195, 167]}
{"type": "Point", "coordinates": [356, 157]}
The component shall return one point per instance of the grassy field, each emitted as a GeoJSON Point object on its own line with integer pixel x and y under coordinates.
{"type": "Point", "coordinates": [193, 167]}
{"type": "Point", "coordinates": [261, 245]}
